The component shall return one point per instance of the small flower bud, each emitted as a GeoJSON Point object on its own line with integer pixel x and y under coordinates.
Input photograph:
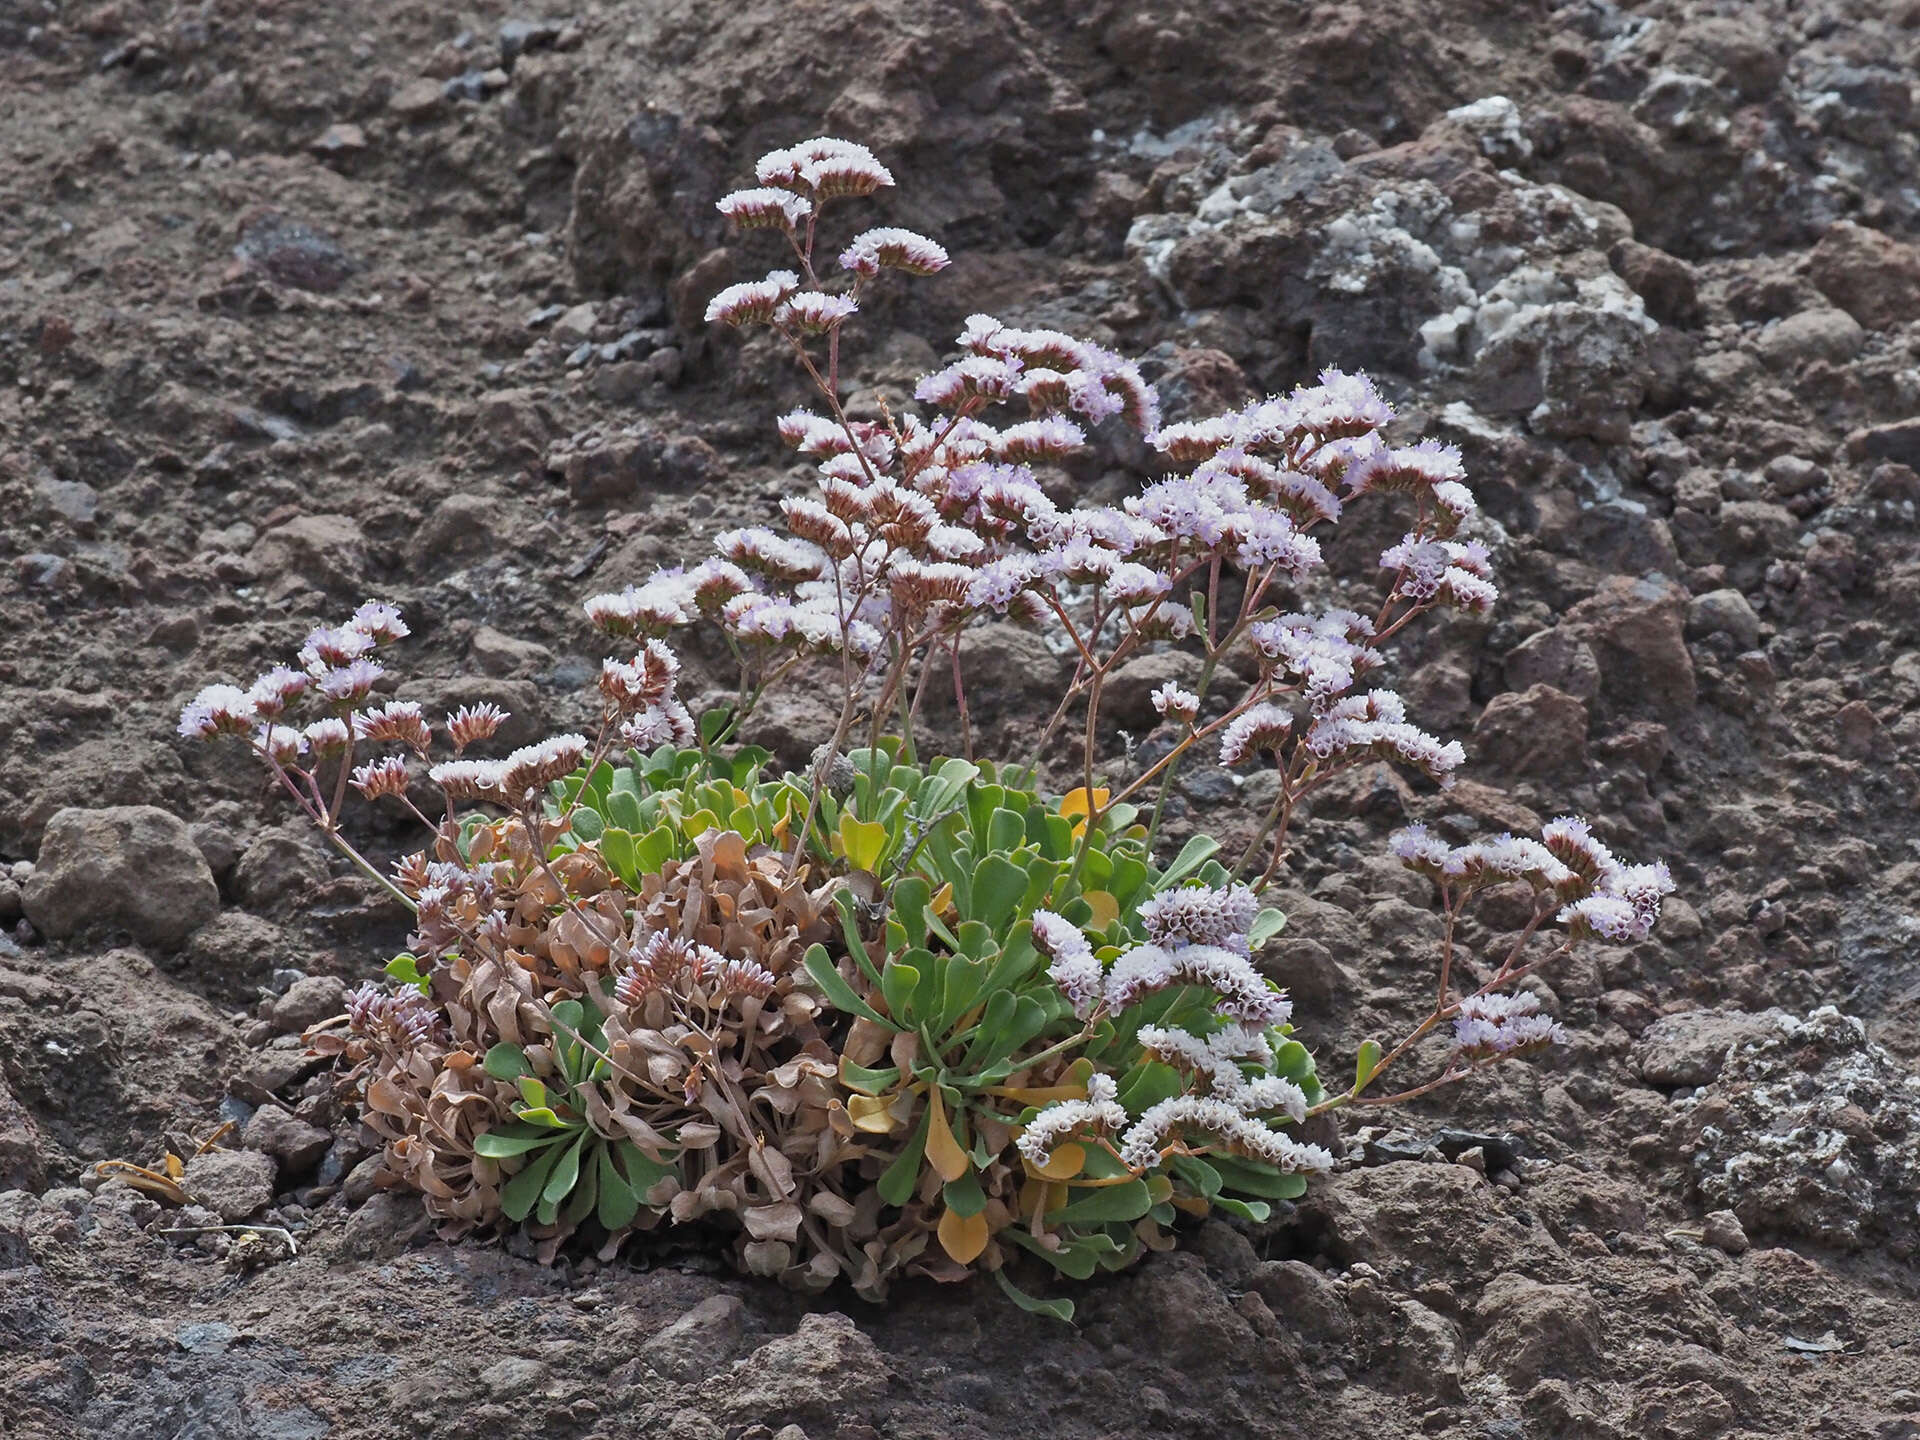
{"type": "Point", "coordinates": [382, 777]}
{"type": "Point", "coordinates": [472, 723]}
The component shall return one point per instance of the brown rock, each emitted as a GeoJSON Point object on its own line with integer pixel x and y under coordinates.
{"type": "Point", "coordinates": [1668, 285]}
{"type": "Point", "coordinates": [418, 100]}
{"type": "Point", "coordinates": [326, 552]}
{"type": "Point", "coordinates": [308, 1001]}
{"type": "Point", "coordinates": [1724, 1231]}
{"type": "Point", "coordinates": [1898, 441]}
{"type": "Point", "coordinates": [1536, 1330]}
{"type": "Point", "coordinates": [1555, 657]}
{"type": "Point", "coordinates": [297, 1145]}
{"type": "Point", "coordinates": [1690, 1048]}
{"type": "Point", "coordinates": [1812, 335]}
{"type": "Point", "coordinates": [1636, 631]}
{"type": "Point", "coordinates": [1868, 274]}
{"type": "Point", "coordinates": [131, 867]}
{"type": "Point", "coordinates": [234, 1184]}
{"type": "Point", "coordinates": [1542, 731]}
{"type": "Point", "coordinates": [21, 1167]}
{"type": "Point", "coordinates": [461, 524]}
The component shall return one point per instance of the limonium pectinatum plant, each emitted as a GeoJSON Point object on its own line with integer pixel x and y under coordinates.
{"type": "Point", "coordinates": [901, 1013]}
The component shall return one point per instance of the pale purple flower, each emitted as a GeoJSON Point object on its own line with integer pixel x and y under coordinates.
{"type": "Point", "coordinates": [1074, 968]}
{"type": "Point", "coordinates": [891, 248]}
{"type": "Point", "coordinates": [978, 375]}
{"type": "Point", "coordinates": [1412, 470]}
{"type": "Point", "coordinates": [1490, 1025]}
{"type": "Point", "coordinates": [534, 767]}
{"type": "Point", "coordinates": [758, 549]}
{"type": "Point", "coordinates": [997, 582]}
{"type": "Point", "coordinates": [1140, 1147]}
{"type": "Point", "coordinates": [813, 313]}
{"type": "Point", "coordinates": [1266, 538]}
{"type": "Point", "coordinates": [380, 621]}
{"type": "Point", "coordinates": [1420, 849]}
{"type": "Point", "coordinates": [333, 647]}
{"type": "Point", "coordinates": [1101, 1110]}
{"type": "Point", "coordinates": [281, 743]}
{"type": "Point", "coordinates": [473, 723]}
{"type": "Point", "coordinates": [1263, 727]}
{"type": "Point", "coordinates": [1244, 992]}
{"type": "Point", "coordinates": [765, 208]}
{"type": "Point", "coordinates": [667, 723]}
{"type": "Point", "coordinates": [1201, 915]}
{"type": "Point", "coordinates": [1340, 405]}
{"type": "Point", "coordinates": [814, 435]}
{"type": "Point", "coordinates": [397, 720]}
{"type": "Point", "coordinates": [1135, 584]}
{"type": "Point", "coordinates": [402, 1021]}
{"type": "Point", "coordinates": [1051, 438]}
{"type": "Point", "coordinates": [381, 777]}
{"type": "Point", "coordinates": [1643, 887]}
{"type": "Point", "coordinates": [1192, 440]}
{"type": "Point", "coordinates": [218, 710]}
{"type": "Point", "coordinates": [272, 692]}
{"type": "Point", "coordinates": [327, 737]}
{"type": "Point", "coordinates": [1507, 857]}
{"type": "Point", "coordinates": [1611, 917]}
{"type": "Point", "coordinates": [752, 302]}
{"type": "Point", "coordinates": [1173, 703]}
{"type": "Point", "coordinates": [825, 167]}
{"type": "Point", "coordinates": [1572, 842]}
{"type": "Point", "coordinates": [469, 779]}
{"type": "Point", "coordinates": [351, 683]}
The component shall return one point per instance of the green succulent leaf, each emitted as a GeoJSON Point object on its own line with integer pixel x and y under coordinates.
{"type": "Point", "coordinates": [405, 969]}
{"type": "Point", "coordinates": [618, 1202]}
{"type": "Point", "coordinates": [897, 1182]}
{"type": "Point", "coordinates": [1266, 924]}
{"type": "Point", "coordinates": [964, 1196]}
{"type": "Point", "coordinates": [1098, 1206]}
{"type": "Point", "coordinates": [860, 1079]}
{"type": "Point", "coordinates": [1252, 1178]}
{"type": "Point", "coordinates": [505, 1141]}
{"type": "Point", "coordinates": [1254, 1210]}
{"type": "Point", "coordinates": [566, 1173]}
{"type": "Point", "coordinates": [1061, 1310]}
{"type": "Point", "coordinates": [507, 1062]}
{"type": "Point", "coordinates": [1195, 853]}
{"type": "Point", "coordinates": [820, 967]}
{"type": "Point", "coordinates": [520, 1194]}
{"type": "Point", "coordinates": [1366, 1065]}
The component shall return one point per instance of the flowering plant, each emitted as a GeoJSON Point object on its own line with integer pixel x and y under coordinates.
{"type": "Point", "coordinates": [900, 1013]}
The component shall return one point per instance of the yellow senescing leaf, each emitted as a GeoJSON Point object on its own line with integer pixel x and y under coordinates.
{"type": "Point", "coordinates": [1191, 1204]}
{"type": "Point", "coordinates": [963, 1237]}
{"type": "Point", "coordinates": [861, 841]}
{"type": "Point", "coordinates": [943, 1151]}
{"type": "Point", "coordinates": [942, 902]}
{"type": "Point", "coordinates": [1066, 1162]}
{"type": "Point", "coordinates": [870, 1113]}
{"type": "Point", "coordinates": [1074, 802]}
{"type": "Point", "coordinates": [174, 1168]}
{"type": "Point", "coordinates": [1159, 1188]}
{"type": "Point", "coordinates": [1043, 1095]}
{"type": "Point", "coordinates": [1105, 909]}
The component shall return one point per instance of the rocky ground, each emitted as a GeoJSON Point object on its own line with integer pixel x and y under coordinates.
{"type": "Point", "coordinates": [311, 300]}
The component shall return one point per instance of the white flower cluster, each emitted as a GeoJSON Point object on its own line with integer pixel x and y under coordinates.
{"type": "Point", "coordinates": [1599, 895]}
{"type": "Point", "coordinates": [1197, 936]}
{"type": "Point", "coordinates": [1497, 1025]}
